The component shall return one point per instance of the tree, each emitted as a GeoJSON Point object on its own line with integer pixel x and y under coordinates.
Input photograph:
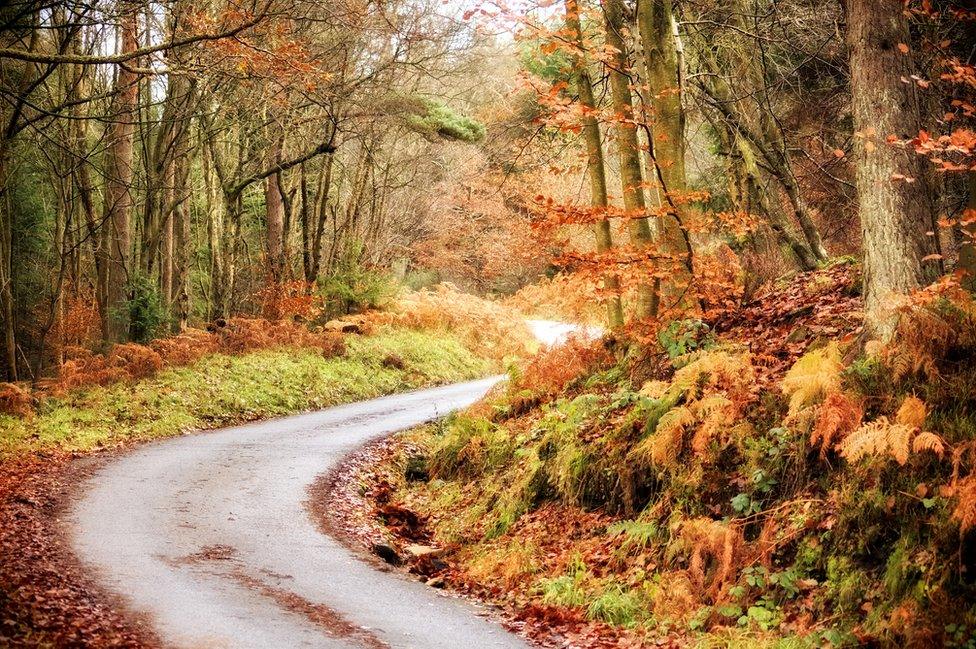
{"type": "Point", "coordinates": [118, 184]}
{"type": "Point", "coordinates": [666, 138]}
{"type": "Point", "coordinates": [594, 156]}
{"type": "Point", "coordinates": [734, 76]}
{"type": "Point", "coordinates": [895, 220]}
{"type": "Point", "coordinates": [628, 150]}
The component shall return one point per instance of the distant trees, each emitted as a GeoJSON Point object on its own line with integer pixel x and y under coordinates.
{"type": "Point", "coordinates": [171, 162]}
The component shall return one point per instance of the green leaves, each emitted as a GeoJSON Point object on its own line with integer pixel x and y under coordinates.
{"type": "Point", "coordinates": [435, 119]}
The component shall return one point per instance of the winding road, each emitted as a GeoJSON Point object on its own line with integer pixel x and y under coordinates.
{"type": "Point", "coordinates": [208, 537]}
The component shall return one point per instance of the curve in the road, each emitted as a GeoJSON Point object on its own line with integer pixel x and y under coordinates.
{"type": "Point", "coordinates": [208, 536]}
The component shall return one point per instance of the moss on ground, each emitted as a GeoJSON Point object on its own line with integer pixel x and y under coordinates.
{"type": "Point", "coordinates": [221, 390]}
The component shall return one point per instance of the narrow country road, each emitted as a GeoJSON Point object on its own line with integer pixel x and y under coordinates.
{"type": "Point", "coordinates": [208, 536]}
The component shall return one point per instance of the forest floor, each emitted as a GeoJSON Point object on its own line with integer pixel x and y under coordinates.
{"type": "Point", "coordinates": [738, 487]}
{"type": "Point", "coordinates": [45, 597]}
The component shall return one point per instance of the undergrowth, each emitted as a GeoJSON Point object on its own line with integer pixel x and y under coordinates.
{"type": "Point", "coordinates": [729, 497]}
{"type": "Point", "coordinates": [486, 327]}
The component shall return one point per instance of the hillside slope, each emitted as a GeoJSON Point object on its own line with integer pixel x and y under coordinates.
{"type": "Point", "coordinates": [760, 480]}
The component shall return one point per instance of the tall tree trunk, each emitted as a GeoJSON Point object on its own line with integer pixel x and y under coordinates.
{"type": "Point", "coordinates": [628, 149]}
{"type": "Point", "coordinates": [894, 214]}
{"type": "Point", "coordinates": [118, 181]}
{"type": "Point", "coordinates": [654, 22]}
{"type": "Point", "coordinates": [322, 215]}
{"type": "Point", "coordinates": [182, 236]}
{"type": "Point", "coordinates": [305, 224]}
{"type": "Point", "coordinates": [667, 136]}
{"type": "Point", "coordinates": [167, 244]}
{"type": "Point", "coordinates": [275, 222]}
{"type": "Point", "coordinates": [594, 160]}
{"type": "Point", "coordinates": [96, 231]}
{"type": "Point", "coordinates": [6, 273]}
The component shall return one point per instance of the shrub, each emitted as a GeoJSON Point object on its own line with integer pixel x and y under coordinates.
{"type": "Point", "coordinates": [83, 368]}
{"type": "Point", "coordinates": [353, 287]}
{"type": "Point", "coordinates": [14, 400]}
{"type": "Point", "coordinates": [394, 361]}
{"type": "Point", "coordinates": [137, 361]}
{"type": "Point", "coordinates": [80, 322]}
{"type": "Point", "coordinates": [290, 300]}
{"type": "Point", "coordinates": [684, 336]}
{"type": "Point", "coordinates": [552, 369]}
{"type": "Point", "coordinates": [240, 335]}
{"type": "Point", "coordinates": [236, 336]}
{"type": "Point", "coordinates": [715, 388]}
{"type": "Point", "coordinates": [144, 310]}
{"type": "Point", "coordinates": [185, 348]}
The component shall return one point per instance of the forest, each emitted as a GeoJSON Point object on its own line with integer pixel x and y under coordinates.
{"type": "Point", "coordinates": [756, 216]}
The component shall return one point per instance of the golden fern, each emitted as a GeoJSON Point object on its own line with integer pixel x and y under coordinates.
{"type": "Point", "coordinates": [922, 338]}
{"type": "Point", "coordinates": [714, 412]}
{"type": "Point", "coordinates": [715, 387]}
{"type": "Point", "coordinates": [869, 439]}
{"type": "Point", "coordinates": [837, 416]}
{"type": "Point", "coordinates": [815, 375]}
{"type": "Point", "coordinates": [715, 553]}
{"type": "Point", "coordinates": [667, 442]}
{"type": "Point", "coordinates": [715, 371]}
{"type": "Point", "coordinates": [912, 412]}
{"type": "Point", "coordinates": [654, 389]}
{"type": "Point", "coordinates": [926, 441]}
{"type": "Point", "coordinates": [897, 438]}
{"type": "Point", "coordinates": [965, 511]}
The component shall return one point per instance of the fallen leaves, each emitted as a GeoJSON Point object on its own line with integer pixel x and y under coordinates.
{"type": "Point", "coordinates": [779, 325]}
{"type": "Point", "coordinates": [45, 598]}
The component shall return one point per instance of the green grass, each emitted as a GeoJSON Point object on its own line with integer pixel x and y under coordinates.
{"type": "Point", "coordinates": [220, 390]}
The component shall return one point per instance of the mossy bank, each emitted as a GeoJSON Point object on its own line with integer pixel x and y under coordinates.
{"type": "Point", "coordinates": [222, 389]}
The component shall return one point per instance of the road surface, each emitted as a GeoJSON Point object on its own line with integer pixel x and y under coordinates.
{"type": "Point", "coordinates": [207, 536]}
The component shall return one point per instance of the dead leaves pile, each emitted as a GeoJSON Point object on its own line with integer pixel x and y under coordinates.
{"type": "Point", "coordinates": [45, 599]}
{"type": "Point", "coordinates": [781, 323]}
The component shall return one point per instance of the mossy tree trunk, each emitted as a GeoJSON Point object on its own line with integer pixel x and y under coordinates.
{"type": "Point", "coordinates": [594, 158]}
{"type": "Point", "coordinates": [628, 149]}
{"type": "Point", "coordinates": [655, 24]}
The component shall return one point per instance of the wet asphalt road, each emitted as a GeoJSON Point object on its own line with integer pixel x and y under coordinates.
{"type": "Point", "coordinates": [208, 536]}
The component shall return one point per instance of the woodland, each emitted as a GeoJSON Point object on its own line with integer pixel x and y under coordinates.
{"type": "Point", "coordinates": [766, 208]}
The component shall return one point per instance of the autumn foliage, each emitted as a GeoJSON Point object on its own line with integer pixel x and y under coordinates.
{"type": "Point", "coordinates": [552, 369]}
{"type": "Point", "coordinates": [489, 329]}
{"type": "Point", "coordinates": [132, 361]}
{"type": "Point", "coordinates": [14, 400]}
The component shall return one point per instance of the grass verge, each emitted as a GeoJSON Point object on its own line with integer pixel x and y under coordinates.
{"type": "Point", "coordinates": [219, 390]}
